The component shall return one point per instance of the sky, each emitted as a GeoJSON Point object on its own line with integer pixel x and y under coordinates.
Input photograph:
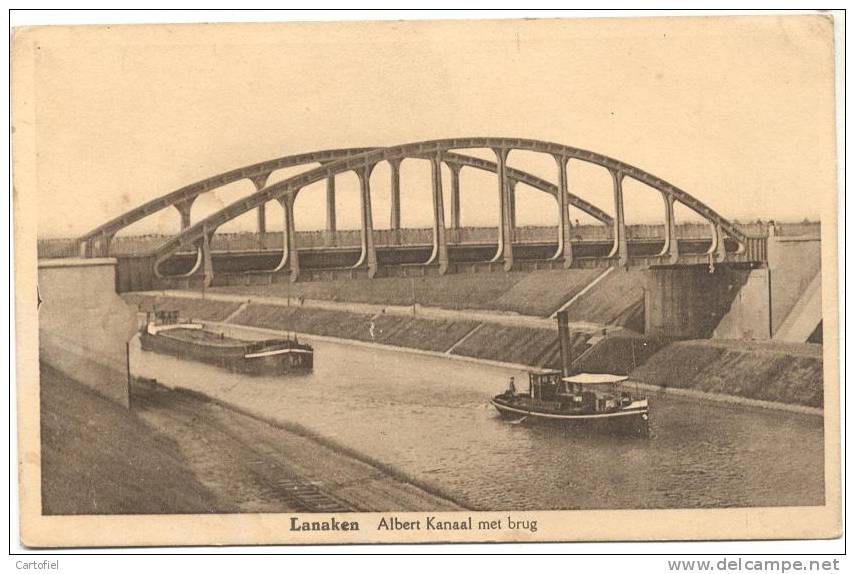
{"type": "Point", "coordinates": [737, 111]}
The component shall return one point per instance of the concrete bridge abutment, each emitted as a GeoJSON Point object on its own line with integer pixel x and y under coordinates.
{"type": "Point", "coordinates": [689, 302]}
{"type": "Point", "coordinates": [84, 326]}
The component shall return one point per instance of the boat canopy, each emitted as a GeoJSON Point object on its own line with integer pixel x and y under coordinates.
{"type": "Point", "coordinates": [595, 378]}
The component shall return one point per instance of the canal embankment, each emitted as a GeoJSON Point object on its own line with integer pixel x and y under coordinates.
{"type": "Point", "coordinates": [761, 374]}
{"type": "Point", "coordinates": [177, 451]}
{"type": "Point", "coordinates": [756, 370]}
{"type": "Point", "coordinates": [617, 299]}
{"type": "Point", "coordinates": [98, 458]}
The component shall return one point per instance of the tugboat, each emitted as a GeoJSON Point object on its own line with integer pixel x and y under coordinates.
{"type": "Point", "coordinates": [187, 340]}
{"type": "Point", "coordinates": [597, 401]}
{"type": "Point", "coordinates": [589, 400]}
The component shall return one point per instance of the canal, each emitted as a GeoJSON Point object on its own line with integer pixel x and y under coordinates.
{"type": "Point", "coordinates": [429, 417]}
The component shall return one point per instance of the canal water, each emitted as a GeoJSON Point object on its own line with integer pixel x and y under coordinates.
{"type": "Point", "coordinates": [430, 418]}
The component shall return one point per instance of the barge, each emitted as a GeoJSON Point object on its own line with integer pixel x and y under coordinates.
{"type": "Point", "coordinates": [192, 341]}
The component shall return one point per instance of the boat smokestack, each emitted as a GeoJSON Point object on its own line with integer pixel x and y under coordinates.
{"type": "Point", "coordinates": [564, 342]}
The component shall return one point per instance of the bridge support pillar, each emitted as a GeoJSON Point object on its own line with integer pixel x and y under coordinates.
{"type": "Point", "coordinates": [670, 249]}
{"type": "Point", "coordinates": [721, 248]}
{"type": "Point", "coordinates": [565, 247]}
{"type": "Point", "coordinates": [717, 251]}
{"type": "Point", "coordinates": [183, 208]}
{"type": "Point", "coordinates": [395, 200]}
{"type": "Point", "coordinates": [289, 235]}
{"type": "Point", "coordinates": [505, 244]}
{"type": "Point", "coordinates": [262, 221]}
{"type": "Point", "coordinates": [512, 206]}
{"type": "Point", "coordinates": [619, 249]}
{"type": "Point", "coordinates": [329, 234]}
{"type": "Point", "coordinates": [455, 195]}
{"type": "Point", "coordinates": [259, 181]}
{"type": "Point", "coordinates": [207, 259]}
{"type": "Point", "coordinates": [368, 256]}
{"type": "Point", "coordinates": [440, 245]}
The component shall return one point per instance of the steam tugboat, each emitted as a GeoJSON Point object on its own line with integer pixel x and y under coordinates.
{"type": "Point", "coordinates": [595, 401]}
{"type": "Point", "coordinates": [187, 340]}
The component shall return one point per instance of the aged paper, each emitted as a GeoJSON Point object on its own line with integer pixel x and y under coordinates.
{"type": "Point", "coordinates": [438, 281]}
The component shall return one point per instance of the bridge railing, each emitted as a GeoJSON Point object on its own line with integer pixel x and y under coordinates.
{"type": "Point", "coordinates": [250, 241]}
{"type": "Point", "coordinates": [805, 228]}
{"type": "Point", "coordinates": [755, 250]}
{"type": "Point", "coordinates": [57, 248]}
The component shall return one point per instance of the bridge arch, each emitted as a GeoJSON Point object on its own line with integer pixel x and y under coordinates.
{"type": "Point", "coordinates": [182, 199]}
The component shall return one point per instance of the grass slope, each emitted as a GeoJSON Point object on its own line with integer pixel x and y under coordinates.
{"type": "Point", "coordinates": [98, 458]}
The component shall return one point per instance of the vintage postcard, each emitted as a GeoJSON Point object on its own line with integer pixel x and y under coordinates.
{"type": "Point", "coordinates": [427, 281]}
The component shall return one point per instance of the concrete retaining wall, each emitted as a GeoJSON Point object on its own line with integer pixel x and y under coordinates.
{"type": "Point", "coordinates": [794, 262]}
{"type": "Point", "coordinates": [749, 316]}
{"type": "Point", "coordinates": [84, 326]}
{"type": "Point", "coordinates": [778, 296]}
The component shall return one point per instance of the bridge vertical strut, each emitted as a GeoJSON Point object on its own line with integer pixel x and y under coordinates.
{"type": "Point", "coordinates": [721, 248]}
{"type": "Point", "coordinates": [565, 248]}
{"type": "Point", "coordinates": [368, 254]}
{"type": "Point", "coordinates": [670, 248]}
{"type": "Point", "coordinates": [512, 206]}
{"type": "Point", "coordinates": [183, 208]}
{"type": "Point", "coordinates": [455, 200]}
{"type": "Point", "coordinates": [440, 246]}
{"type": "Point", "coordinates": [207, 259]}
{"type": "Point", "coordinates": [329, 234]}
{"type": "Point", "coordinates": [261, 217]}
{"type": "Point", "coordinates": [505, 245]}
{"type": "Point", "coordinates": [259, 181]}
{"type": "Point", "coordinates": [619, 248]}
{"type": "Point", "coordinates": [289, 235]}
{"type": "Point", "coordinates": [395, 200]}
{"type": "Point", "coordinates": [717, 250]}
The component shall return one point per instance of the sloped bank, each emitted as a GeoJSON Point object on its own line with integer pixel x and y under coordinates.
{"type": "Point", "coordinates": [176, 451]}
{"type": "Point", "coordinates": [99, 458]}
{"type": "Point", "coordinates": [760, 370]}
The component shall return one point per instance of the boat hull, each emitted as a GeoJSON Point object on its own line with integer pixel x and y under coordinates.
{"type": "Point", "coordinates": [633, 421]}
{"type": "Point", "coordinates": [234, 359]}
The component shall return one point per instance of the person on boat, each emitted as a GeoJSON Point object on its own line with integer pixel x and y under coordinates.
{"type": "Point", "coordinates": [512, 388]}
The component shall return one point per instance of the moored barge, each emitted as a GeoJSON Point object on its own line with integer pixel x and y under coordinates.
{"type": "Point", "coordinates": [192, 341]}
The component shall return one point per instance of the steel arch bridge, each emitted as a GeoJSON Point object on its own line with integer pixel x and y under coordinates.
{"type": "Point", "coordinates": [727, 244]}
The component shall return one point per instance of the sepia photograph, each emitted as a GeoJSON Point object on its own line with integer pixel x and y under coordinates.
{"type": "Point", "coordinates": [509, 280]}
